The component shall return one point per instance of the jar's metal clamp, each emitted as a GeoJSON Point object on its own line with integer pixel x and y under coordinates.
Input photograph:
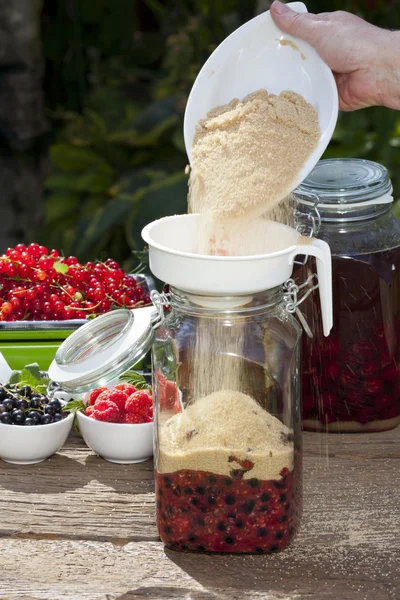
{"type": "Point", "coordinates": [307, 224]}
{"type": "Point", "coordinates": [160, 301]}
{"type": "Point", "coordinates": [292, 300]}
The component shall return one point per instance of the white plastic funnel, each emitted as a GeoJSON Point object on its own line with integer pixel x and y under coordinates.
{"type": "Point", "coordinates": [172, 244]}
{"type": "Point", "coordinates": [259, 55]}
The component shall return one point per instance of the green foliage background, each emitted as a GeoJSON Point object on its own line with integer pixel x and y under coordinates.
{"type": "Point", "coordinates": [118, 75]}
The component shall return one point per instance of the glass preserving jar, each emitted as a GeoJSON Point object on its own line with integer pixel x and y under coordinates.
{"type": "Point", "coordinates": [227, 426]}
{"type": "Point", "coordinates": [227, 454]}
{"type": "Point", "coordinates": [351, 380]}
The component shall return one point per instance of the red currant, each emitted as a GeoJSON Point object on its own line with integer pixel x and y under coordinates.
{"type": "Point", "coordinates": [45, 262]}
{"type": "Point", "coordinates": [6, 308]}
{"type": "Point", "coordinates": [40, 275]}
{"type": "Point", "coordinates": [67, 313]}
{"type": "Point", "coordinates": [16, 302]}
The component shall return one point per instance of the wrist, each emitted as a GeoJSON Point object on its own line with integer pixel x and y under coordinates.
{"type": "Point", "coordinates": [386, 66]}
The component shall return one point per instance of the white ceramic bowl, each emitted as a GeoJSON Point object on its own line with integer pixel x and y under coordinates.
{"type": "Point", "coordinates": [28, 445]}
{"type": "Point", "coordinates": [117, 442]}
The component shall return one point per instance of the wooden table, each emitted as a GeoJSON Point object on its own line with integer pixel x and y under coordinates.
{"type": "Point", "coordinates": [76, 527]}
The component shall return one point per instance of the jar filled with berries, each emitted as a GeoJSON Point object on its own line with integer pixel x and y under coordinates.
{"type": "Point", "coordinates": [351, 380]}
{"type": "Point", "coordinates": [228, 460]}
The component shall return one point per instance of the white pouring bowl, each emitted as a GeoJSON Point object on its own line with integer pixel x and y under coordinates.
{"type": "Point", "coordinates": [259, 55]}
{"type": "Point", "coordinates": [173, 259]}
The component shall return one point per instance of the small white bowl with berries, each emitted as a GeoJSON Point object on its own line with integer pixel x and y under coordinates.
{"type": "Point", "coordinates": [117, 422]}
{"type": "Point", "coordinates": [33, 424]}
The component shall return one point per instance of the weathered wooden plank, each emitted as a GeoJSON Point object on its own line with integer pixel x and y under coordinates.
{"type": "Point", "coordinates": [66, 570]}
{"type": "Point", "coordinates": [76, 526]}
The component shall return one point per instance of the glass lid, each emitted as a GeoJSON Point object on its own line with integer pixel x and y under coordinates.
{"type": "Point", "coordinates": [103, 349]}
{"type": "Point", "coordinates": [337, 182]}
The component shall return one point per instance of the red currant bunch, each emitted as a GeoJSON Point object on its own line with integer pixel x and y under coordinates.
{"type": "Point", "coordinates": [38, 285]}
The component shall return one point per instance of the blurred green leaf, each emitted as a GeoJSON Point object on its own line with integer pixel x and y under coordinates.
{"type": "Point", "coordinates": [135, 139]}
{"type": "Point", "coordinates": [60, 181]}
{"type": "Point", "coordinates": [59, 205]}
{"type": "Point", "coordinates": [166, 197]}
{"type": "Point", "coordinates": [70, 158]}
{"type": "Point", "coordinates": [113, 214]}
{"type": "Point", "coordinates": [94, 181]}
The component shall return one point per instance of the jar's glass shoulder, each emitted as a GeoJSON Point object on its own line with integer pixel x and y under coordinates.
{"type": "Point", "coordinates": [351, 239]}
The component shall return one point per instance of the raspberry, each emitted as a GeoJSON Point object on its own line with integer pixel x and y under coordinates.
{"type": "Point", "coordinates": [373, 386]}
{"type": "Point", "coordinates": [139, 403]}
{"type": "Point", "coordinates": [133, 419]}
{"type": "Point", "coordinates": [119, 398]}
{"type": "Point", "coordinates": [105, 410]}
{"type": "Point", "coordinates": [168, 395]}
{"type": "Point", "coordinates": [128, 388]}
{"type": "Point", "coordinates": [89, 411]}
{"type": "Point", "coordinates": [94, 394]}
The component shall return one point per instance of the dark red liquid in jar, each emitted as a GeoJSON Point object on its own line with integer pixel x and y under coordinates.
{"type": "Point", "coordinates": [351, 380]}
{"type": "Point", "coordinates": [205, 512]}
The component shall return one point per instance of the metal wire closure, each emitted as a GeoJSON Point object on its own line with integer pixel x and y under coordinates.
{"type": "Point", "coordinates": [310, 223]}
{"type": "Point", "coordinates": [160, 301]}
{"type": "Point", "coordinates": [292, 302]}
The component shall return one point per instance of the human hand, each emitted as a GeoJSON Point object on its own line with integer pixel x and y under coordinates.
{"type": "Point", "coordinates": [365, 59]}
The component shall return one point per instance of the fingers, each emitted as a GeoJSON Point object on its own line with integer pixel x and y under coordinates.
{"type": "Point", "coordinates": [299, 25]}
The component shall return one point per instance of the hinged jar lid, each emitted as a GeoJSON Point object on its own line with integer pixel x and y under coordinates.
{"type": "Point", "coordinates": [345, 183]}
{"type": "Point", "coordinates": [103, 349]}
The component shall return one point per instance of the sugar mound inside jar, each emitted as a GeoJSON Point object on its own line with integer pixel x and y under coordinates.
{"type": "Point", "coordinates": [245, 157]}
{"type": "Point", "coordinates": [219, 432]}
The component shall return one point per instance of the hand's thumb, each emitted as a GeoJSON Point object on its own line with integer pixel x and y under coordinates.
{"type": "Point", "coordinates": [300, 25]}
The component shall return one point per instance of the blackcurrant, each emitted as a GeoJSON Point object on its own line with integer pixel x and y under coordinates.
{"type": "Point", "coordinates": [6, 418]}
{"type": "Point", "coordinates": [35, 402]}
{"type": "Point", "coordinates": [3, 393]}
{"type": "Point", "coordinates": [18, 416]}
{"type": "Point", "coordinates": [58, 417]}
{"type": "Point", "coordinates": [50, 409]}
{"type": "Point", "coordinates": [56, 403]}
{"type": "Point", "coordinates": [46, 419]}
{"type": "Point", "coordinates": [12, 399]}
{"type": "Point", "coordinates": [8, 404]}
{"type": "Point", "coordinates": [35, 416]}
{"type": "Point", "coordinates": [22, 404]}
{"type": "Point", "coordinates": [29, 422]}
{"type": "Point", "coordinates": [26, 391]}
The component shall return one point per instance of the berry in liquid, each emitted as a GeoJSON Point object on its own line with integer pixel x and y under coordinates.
{"type": "Point", "coordinates": [205, 512]}
{"type": "Point", "coordinates": [351, 379]}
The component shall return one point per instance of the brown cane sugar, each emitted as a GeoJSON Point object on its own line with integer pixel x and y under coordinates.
{"type": "Point", "coordinates": [221, 429]}
{"type": "Point", "coordinates": [246, 156]}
